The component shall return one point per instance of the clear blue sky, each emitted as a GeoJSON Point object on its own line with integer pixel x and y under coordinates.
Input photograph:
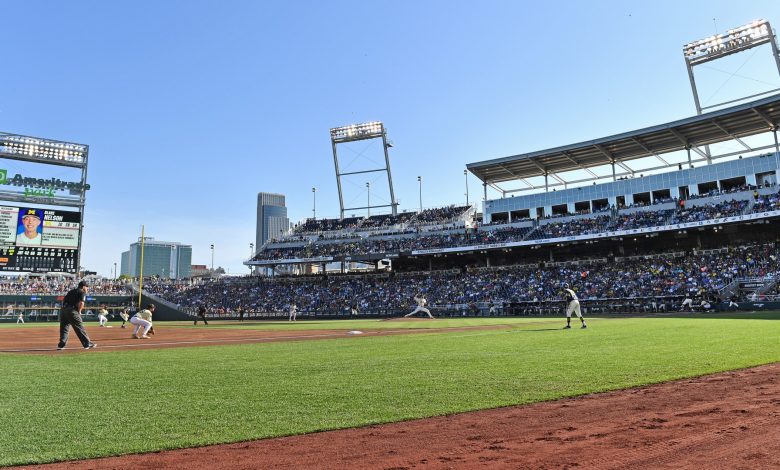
{"type": "Point", "coordinates": [191, 108]}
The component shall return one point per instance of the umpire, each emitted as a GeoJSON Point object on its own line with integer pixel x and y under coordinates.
{"type": "Point", "coordinates": [201, 314]}
{"type": "Point", "coordinates": [70, 315]}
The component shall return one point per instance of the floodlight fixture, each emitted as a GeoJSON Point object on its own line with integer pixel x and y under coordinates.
{"type": "Point", "coordinates": [367, 130]}
{"type": "Point", "coordinates": [742, 38]}
{"type": "Point", "coordinates": [35, 149]}
{"type": "Point", "coordinates": [734, 40]}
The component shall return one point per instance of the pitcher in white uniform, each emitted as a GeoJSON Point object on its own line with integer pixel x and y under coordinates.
{"type": "Point", "coordinates": [420, 299]}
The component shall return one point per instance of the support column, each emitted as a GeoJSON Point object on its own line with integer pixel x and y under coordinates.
{"type": "Point", "coordinates": [614, 178]}
{"type": "Point", "coordinates": [484, 188]}
{"type": "Point", "coordinates": [546, 185]}
{"type": "Point", "coordinates": [777, 148]}
{"type": "Point", "coordinates": [690, 163]}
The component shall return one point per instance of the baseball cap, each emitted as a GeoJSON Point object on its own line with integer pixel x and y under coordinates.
{"type": "Point", "coordinates": [83, 283]}
{"type": "Point", "coordinates": [31, 213]}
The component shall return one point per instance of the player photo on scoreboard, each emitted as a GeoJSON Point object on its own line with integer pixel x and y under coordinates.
{"type": "Point", "coordinates": [28, 232]}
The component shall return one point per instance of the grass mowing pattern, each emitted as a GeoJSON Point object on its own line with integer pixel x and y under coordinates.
{"type": "Point", "coordinates": [92, 404]}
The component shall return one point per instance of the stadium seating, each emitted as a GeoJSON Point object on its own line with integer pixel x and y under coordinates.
{"type": "Point", "coordinates": [639, 278]}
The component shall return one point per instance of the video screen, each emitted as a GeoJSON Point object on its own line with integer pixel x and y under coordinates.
{"type": "Point", "coordinates": [39, 240]}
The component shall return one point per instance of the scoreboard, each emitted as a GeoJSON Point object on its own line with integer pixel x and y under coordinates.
{"type": "Point", "coordinates": [34, 239]}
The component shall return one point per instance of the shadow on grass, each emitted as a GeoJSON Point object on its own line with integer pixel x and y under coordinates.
{"type": "Point", "coordinates": [540, 329]}
{"type": "Point", "coordinates": [736, 315]}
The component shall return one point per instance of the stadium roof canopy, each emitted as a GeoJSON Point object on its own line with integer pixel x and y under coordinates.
{"type": "Point", "coordinates": [726, 124]}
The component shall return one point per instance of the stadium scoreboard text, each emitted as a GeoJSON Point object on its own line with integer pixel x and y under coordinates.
{"type": "Point", "coordinates": [39, 240]}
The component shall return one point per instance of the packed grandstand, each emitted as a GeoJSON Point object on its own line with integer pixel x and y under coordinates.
{"type": "Point", "coordinates": [639, 243]}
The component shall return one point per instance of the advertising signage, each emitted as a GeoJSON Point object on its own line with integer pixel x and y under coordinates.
{"type": "Point", "coordinates": [39, 240]}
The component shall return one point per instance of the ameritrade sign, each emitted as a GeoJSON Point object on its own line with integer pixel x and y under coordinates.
{"type": "Point", "coordinates": [618, 233]}
{"type": "Point", "coordinates": [40, 187]}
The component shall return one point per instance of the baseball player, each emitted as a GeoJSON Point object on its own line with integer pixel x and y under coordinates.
{"type": "Point", "coordinates": [143, 319]}
{"type": "Point", "coordinates": [687, 303]}
{"type": "Point", "coordinates": [420, 299]}
{"type": "Point", "coordinates": [574, 306]}
{"type": "Point", "coordinates": [354, 308]}
{"type": "Point", "coordinates": [733, 303]}
{"type": "Point", "coordinates": [293, 312]}
{"type": "Point", "coordinates": [102, 316]}
{"type": "Point", "coordinates": [125, 316]}
{"type": "Point", "coordinates": [202, 315]}
{"type": "Point", "coordinates": [20, 319]}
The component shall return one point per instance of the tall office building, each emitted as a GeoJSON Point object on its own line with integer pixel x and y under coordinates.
{"type": "Point", "coordinates": [272, 218]}
{"type": "Point", "coordinates": [165, 259]}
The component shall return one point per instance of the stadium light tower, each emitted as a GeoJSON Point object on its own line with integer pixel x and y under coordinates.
{"type": "Point", "coordinates": [466, 175]}
{"type": "Point", "coordinates": [357, 132]}
{"type": "Point", "coordinates": [419, 181]}
{"type": "Point", "coordinates": [735, 40]}
{"type": "Point", "coordinates": [314, 203]}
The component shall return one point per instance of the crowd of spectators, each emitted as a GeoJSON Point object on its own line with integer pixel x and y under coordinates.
{"type": "Point", "coordinates": [640, 219]}
{"type": "Point", "coordinates": [326, 225]}
{"type": "Point", "coordinates": [413, 239]}
{"type": "Point", "coordinates": [441, 215]}
{"type": "Point", "coordinates": [409, 242]}
{"type": "Point", "coordinates": [572, 227]}
{"type": "Point", "coordinates": [769, 202]}
{"type": "Point", "coordinates": [386, 220]}
{"type": "Point", "coordinates": [686, 274]}
{"type": "Point", "coordinates": [709, 211]}
{"type": "Point", "coordinates": [24, 285]}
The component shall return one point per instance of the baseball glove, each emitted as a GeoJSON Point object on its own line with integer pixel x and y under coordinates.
{"type": "Point", "coordinates": [151, 331]}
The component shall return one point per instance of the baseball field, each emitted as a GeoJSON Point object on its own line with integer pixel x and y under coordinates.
{"type": "Point", "coordinates": [502, 392]}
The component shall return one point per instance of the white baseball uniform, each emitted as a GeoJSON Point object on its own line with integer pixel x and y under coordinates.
{"type": "Point", "coordinates": [420, 307]}
{"type": "Point", "coordinates": [574, 304]}
{"type": "Point", "coordinates": [293, 312]}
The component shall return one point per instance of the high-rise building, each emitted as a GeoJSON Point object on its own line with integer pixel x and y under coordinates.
{"type": "Point", "coordinates": [165, 259]}
{"type": "Point", "coordinates": [272, 218]}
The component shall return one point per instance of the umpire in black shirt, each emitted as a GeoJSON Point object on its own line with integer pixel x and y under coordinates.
{"type": "Point", "coordinates": [70, 315]}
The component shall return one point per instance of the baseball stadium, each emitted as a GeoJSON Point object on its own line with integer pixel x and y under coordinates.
{"type": "Point", "coordinates": [617, 305]}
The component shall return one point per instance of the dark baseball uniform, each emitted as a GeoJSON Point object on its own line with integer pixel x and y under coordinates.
{"type": "Point", "coordinates": [70, 316]}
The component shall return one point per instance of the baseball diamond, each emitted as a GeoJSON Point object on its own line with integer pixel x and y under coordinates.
{"type": "Point", "coordinates": [543, 247]}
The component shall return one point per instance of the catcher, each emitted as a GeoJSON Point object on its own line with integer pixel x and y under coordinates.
{"type": "Point", "coordinates": [143, 319]}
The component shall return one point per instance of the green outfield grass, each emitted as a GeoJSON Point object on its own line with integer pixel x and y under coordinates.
{"type": "Point", "coordinates": [91, 404]}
